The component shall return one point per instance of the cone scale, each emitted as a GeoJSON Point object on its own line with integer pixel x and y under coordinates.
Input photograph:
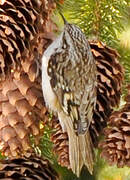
{"type": "Point", "coordinates": [24, 24]}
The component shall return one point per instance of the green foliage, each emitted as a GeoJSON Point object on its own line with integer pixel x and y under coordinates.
{"type": "Point", "coordinates": [98, 18]}
{"type": "Point", "coordinates": [58, 5]}
{"type": "Point", "coordinates": [46, 145]}
{"type": "Point", "coordinates": [105, 172]}
{"type": "Point", "coordinates": [125, 60]}
{"type": "Point", "coordinates": [1, 156]}
{"type": "Point", "coordinates": [124, 50]}
{"type": "Point", "coordinates": [103, 20]}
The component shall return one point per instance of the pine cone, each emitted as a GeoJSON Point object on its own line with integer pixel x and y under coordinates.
{"type": "Point", "coordinates": [27, 168]}
{"type": "Point", "coordinates": [60, 141]}
{"type": "Point", "coordinates": [110, 77]}
{"type": "Point", "coordinates": [116, 145]}
{"type": "Point", "coordinates": [23, 26]}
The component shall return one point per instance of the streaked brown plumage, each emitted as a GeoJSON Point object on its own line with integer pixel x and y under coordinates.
{"type": "Point", "coordinates": [110, 75]}
{"type": "Point", "coordinates": [69, 88]}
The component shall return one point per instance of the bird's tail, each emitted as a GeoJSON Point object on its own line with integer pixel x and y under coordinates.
{"type": "Point", "coordinates": [86, 150]}
{"type": "Point", "coordinates": [80, 147]}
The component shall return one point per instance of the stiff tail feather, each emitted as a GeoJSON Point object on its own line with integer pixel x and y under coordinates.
{"type": "Point", "coordinates": [80, 147]}
{"type": "Point", "coordinates": [86, 149]}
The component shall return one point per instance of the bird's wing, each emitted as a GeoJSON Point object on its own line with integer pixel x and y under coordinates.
{"type": "Point", "coordinates": [75, 89]}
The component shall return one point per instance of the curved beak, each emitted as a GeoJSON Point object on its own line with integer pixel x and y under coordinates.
{"type": "Point", "coordinates": [65, 21]}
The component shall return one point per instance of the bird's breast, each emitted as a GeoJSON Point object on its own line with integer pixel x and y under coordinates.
{"type": "Point", "coordinates": [48, 93]}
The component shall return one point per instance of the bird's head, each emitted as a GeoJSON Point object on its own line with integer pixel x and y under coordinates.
{"type": "Point", "coordinates": [74, 32]}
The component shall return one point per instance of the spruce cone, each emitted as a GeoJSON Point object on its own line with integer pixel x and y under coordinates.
{"type": "Point", "coordinates": [60, 141]}
{"type": "Point", "coordinates": [110, 77]}
{"type": "Point", "coordinates": [24, 24]}
{"type": "Point", "coordinates": [116, 145]}
{"type": "Point", "coordinates": [27, 168]}
{"type": "Point", "coordinates": [21, 25]}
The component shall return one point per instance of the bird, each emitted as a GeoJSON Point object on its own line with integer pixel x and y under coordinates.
{"type": "Point", "coordinates": [69, 85]}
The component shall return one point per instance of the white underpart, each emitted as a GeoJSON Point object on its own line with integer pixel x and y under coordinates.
{"type": "Point", "coordinates": [50, 97]}
{"type": "Point", "coordinates": [48, 93]}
